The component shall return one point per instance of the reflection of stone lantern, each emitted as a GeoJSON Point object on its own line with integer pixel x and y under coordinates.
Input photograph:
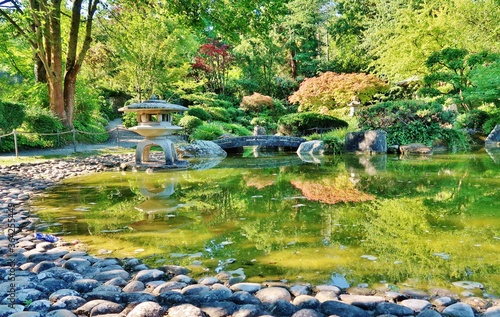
{"type": "Point", "coordinates": [154, 118]}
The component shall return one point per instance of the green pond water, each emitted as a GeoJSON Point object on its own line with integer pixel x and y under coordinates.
{"type": "Point", "coordinates": [404, 222]}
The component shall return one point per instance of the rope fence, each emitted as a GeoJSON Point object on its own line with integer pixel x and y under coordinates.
{"type": "Point", "coordinates": [58, 134]}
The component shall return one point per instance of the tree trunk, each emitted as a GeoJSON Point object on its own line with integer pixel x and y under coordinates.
{"type": "Point", "coordinates": [69, 97]}
{"type": "Point", "coordinates": [293, 64]}
{"type": "Point", "coordinates": [56, 97]}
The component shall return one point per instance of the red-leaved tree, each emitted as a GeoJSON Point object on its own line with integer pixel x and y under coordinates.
{"type": "Point", "coordinates": [212, 62]}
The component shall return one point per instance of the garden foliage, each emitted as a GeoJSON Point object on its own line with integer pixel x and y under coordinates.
{"type": "Point", "coordinates": [304, 123]}
{"type": "Point", "coordinates": [256, 102]}
{"type": "Point", "coordinates": [409, 121]}
{"type": "Point", "coordinates": [331, 90]}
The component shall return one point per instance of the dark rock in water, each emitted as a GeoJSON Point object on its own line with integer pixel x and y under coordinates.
{"type": "Point", "coordinates": [366, 142]}
{"type": "Point", "coordinates": [415, 148]}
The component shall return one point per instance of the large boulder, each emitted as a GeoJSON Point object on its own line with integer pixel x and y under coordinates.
{"type": "Point", "coordinates": [493, 139]}
{"type": "Point", "coordinates": [201, 149]}
{"type": "Point", "coordinates": [366, 142]}
{"type": "Point", "coordinates": [311, 147]}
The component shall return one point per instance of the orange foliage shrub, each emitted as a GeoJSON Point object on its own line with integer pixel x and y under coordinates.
{"type": "Point", "coordinates": [333, 191]}
{"type": "Point", "coordinates": [256, 102]}
{"type": "Point", "coordinates": [332, 90]}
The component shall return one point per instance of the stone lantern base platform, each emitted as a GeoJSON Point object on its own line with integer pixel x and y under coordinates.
{"type": "Point", "coordinates": [142, 154]}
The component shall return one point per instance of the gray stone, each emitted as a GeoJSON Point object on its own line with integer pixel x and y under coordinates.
{"type": "Point", "coordinates": [57, 295]}
{"type": "Point", "coordinates": [366, 142]}
{"type": "Point", "coordinates": [393, 309]}
{"type": "Point", "coordinates": [329, 288]}
{"type": "Point", "coordinates": [248, 311]}
{"type": "Point", "coordinates": [243, 298]}
{"type": "Point", "coordinates": [149, 275]}
{"type": "Point", "coordinates": [364, 302]}
{"type": "Point", "coordinates": [85, 285]}
{"type": "Point", "coordinates": [324, 296]}
{"type": "Point", "coordinates": [247, 287]}
{"type": "Point", "coordinates": [53, 284]}
{"type": "Point", "coordinates": [282, 308]}
{"type": "Point", "coordinates": [417, 305]}
{"type": "Point", "coordinates": [219, 309]}
{"type": "Point", "coordinates": [174, 269]}
{"type": "Point", "coordinates": [106, 307]}
{"type": "Point", "coordinates": [208, 280]}
{"type": "Point", "coordinates": [42, 266]}
{"type": "Point", "coordinates": [78, 265]}
{"type": "Point", "coordinates": [201, 148]}
{"type": "Point", "coordinates": [185, 310]}
{"type": "Point", "coordinates": [25, 295]}
{"type": "Point", "coordinates": [315, 147]}
{"type": "Point", "coordinates": [168, 286]}
{"type": "Point", "coordinates": [458, 310]}
{"type": "Point", "coordinates": [476, 303]}
{"type": "Point", "coordinates": [307, 313]}
{"type": "Point", "coordinates": [60, 313]}
{"type": "Point", "coordinates": [134, 286]}
{"type": "Point", "coordinates": [493, 139]}
{"type": "Point", "coordinates": [171, 298]}
{"type": "Point", "coordinates": [342, 310]}
{"type": "Point", "coordinates": [147, 309]}
{"type": "Point", "coordinates": [273, 294]}
{"type": "Point", "coordinates": [68, 302]}
{"type": "Point", "coordinates": [108, 275]}
{"type": "Point", "coordinates": [429, 313]}
{"type": "Point", "coordinates": [26, 314]}
{"type": "Point", "coordinates": [297, 290]}
{"type": "Point", "coordinates": [306, 301]}
{"type": "Point", "coordinates": [492, 312]}
{"type": "Point", "coordinates": [41, 306]}
{"type": "Point", "coordinates": [444, 301]}
{"type": "Point", "coordinates": [6, 311]}
{"type": "Point", "coordinates": [138, 297]}
{"type": "Point", "coordinates": [194, 289]}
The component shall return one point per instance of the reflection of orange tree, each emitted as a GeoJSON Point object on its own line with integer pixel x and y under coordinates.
{"type": "Point", "coordinates": [259, 181]}
{"type": "Point", "coordinates": [332, 190]}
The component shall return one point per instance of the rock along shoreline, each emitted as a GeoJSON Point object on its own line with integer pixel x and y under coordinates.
{"type": "Point", "coordinates": [41, 278]}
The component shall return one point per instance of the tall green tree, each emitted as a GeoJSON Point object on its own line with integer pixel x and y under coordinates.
{"type": "Point", "coordinates": [146, 49]}
{"type": "Point", "coordinates": [41, 24]}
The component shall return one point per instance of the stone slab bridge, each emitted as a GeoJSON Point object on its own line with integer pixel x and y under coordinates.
{"type": "Point", "coordinates": [260, 140]}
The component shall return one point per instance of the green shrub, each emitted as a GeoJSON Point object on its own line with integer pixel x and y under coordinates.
{"type": "Point", "coordinates": [409, 121]}
{"type": "Point", "coordinates": [207, 99]}
{"type": "Point", "coordinates": [334, 141]}
{"type": "Point", "coordinates": [129, 119]}
{"type": "Point", "coordinates": [474, 120]}
{"type": "Point", "coordinates": [200, 113]}
{"type": "Point", "coordinates": [189, 123]}
{"type": "Point", "coordinates": [219, 114]}
{"type": "Point", "coordinates": [208, 132]}
{"type": "Point", "coordinates": [236, 129]}
{"type": "Point", "coordinates": [303, 123]}
{"type": "Point", "coordinates": [266, 122]}
{"type": "Point", "coordinates": [490, 124]}
{"type": "Point", "coordinates": [11, 116]}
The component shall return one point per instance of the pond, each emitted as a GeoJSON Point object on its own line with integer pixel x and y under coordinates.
{"type": "Point", "coordinates": [401, 222]}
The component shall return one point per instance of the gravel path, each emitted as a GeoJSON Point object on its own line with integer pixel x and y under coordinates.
{"type": "Point", "coordinates": [128, 139]}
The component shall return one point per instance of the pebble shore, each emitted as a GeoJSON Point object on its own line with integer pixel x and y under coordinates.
{"type": "Point", "coordinates": [40, 278]}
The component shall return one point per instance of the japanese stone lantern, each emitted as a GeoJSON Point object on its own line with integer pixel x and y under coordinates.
{"type": "Point", "coordinates": [154, 118]}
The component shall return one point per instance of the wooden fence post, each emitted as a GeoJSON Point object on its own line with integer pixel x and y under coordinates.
{"type": "Point", "coordinates": [15, 143]}
{"type": "Point", "coordinates": [74, 140]}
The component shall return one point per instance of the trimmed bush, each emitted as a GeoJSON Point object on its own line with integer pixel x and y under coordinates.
{"type": "Point", "coordinates": [302, 123]}
{"type": "Point", "coordinates": [474, 120]}
{"type": "Point", "coordinates": [200, 113]}
{"type": "Point", "coordinates": [11, 116]}
{"type": "Point", "coordinates": [208, 132]}
{"type": "Point", "coordinates": [189, 123]}
{"type": "Point", "coordinates": [236, 129]}
{"type": "Point", "coordinates": [219, 114]}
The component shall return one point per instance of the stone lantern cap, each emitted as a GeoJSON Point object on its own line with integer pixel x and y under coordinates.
{"type": "Point", "coordinates": [153, 104]}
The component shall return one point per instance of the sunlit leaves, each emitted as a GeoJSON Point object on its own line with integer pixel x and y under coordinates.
{"type": "Point", "coordinates": [331, 90]}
